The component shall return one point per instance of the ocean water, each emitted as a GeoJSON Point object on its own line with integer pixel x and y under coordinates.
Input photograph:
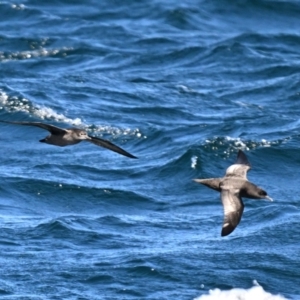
{"type": "Point", "coordinates": [183, 85]}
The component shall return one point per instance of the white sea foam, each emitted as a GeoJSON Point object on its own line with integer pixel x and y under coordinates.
{"type": "Point", "coordinates": [18, 6]}
{"type": "Point", "coordinates": [18, 104]}
{"type": "Point", "coordinates": [41, 52]}
{"type": "Point", "coordinates": [49, 113]}
{"type": "Point", "coordinates": [254, 293]}
{"type": "Point", "coordinates": [194, 162]}
{"type": "Point", "coordinates": [230, 144]}
{"type": "Point", "coordinates": [185, 89]}
{"type": "Point", "coordinates": [237, 142]}
{"type": "Point", "coordinates": [3, 97]}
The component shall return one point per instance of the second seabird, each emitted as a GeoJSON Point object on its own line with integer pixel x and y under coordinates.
{"type": "Point", "coordinates": [71, 136]}
{"type": "Point", "coordinates": [233, 186]}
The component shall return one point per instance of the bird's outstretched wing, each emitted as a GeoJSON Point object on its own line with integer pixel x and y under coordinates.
{"type": "Point", "coordinates": [52, 129]}
{"type": "Point", "coordinates": [109, 145]}
{"type": "Point", "coordinates": [233, 210]}
{"type": "Point", "coordinates": [240, 167]}
{"type": "Point", "coordinates": [242, 159]}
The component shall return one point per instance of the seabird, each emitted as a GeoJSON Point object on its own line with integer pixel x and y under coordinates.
{"type": "Point", "coordinates": [71, 136]}
{"type": "Point", "coordinates": [233, 186]}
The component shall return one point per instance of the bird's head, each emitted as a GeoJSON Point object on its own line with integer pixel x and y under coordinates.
{"type": "Point", "coordinates": [261, 194]}
{"type": "Point", "coordinates": [82, 135]}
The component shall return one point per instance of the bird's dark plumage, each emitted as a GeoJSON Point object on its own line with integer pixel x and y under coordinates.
{"type": "Point", "coordinates": [233, 186]}
{"type": "Point", "coordinates": [71, 136]}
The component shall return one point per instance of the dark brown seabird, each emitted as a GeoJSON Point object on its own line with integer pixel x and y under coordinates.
{"type": "Point", "coordinates": [233, 186]}
{"type": "Point", "coordinates": [71, 136]}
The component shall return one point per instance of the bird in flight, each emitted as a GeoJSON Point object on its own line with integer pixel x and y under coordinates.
{"type": "Point", "coordinates": [233, 186]}
{"type": "Point", "coordinates": [71, 136]}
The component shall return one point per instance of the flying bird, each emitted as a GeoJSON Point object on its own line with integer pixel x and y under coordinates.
{"type": "Point", "coordinates": [71, 136]}
{"type": "Point", "coordinates": [233, 186]}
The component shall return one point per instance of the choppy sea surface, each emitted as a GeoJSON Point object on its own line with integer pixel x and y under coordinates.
{"type": "Point", "coordinates": [183, 85]}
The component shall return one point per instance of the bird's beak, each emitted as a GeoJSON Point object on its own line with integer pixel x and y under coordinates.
{"type": "Point", "coordinates": [197, 180]}
{"type": "Point", "coordinates": [269, 198]}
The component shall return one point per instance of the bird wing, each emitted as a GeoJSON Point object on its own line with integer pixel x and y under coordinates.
{"type": "Point", "coordinates": [233, 210]}
{"type": "Point", "coordinates": [237, 171]}
{"type": "Point", "coordinates": [52, 129]}
{"type": "Point", "coordinates": [240, 167]}
{"type": "Point", "coordinates": [109, 145]}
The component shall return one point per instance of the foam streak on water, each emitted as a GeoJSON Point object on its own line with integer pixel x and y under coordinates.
{"type": "Point", "coordinates": [16, 104]}
{"type": "Point", "coordinates": [43, 113]}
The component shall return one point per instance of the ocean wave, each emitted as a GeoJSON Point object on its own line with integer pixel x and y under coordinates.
{"type": "Point", "coordinates": [227, 145]}
{"type": "Point", "coordinates": [21, 104]}
{"type": "Point", "coordinates": [77, 195]}
{"type": "Point", "coordinates": [224, 147]}
{"type": "Point", "coordinates": [13, 104]}
{"type": "Point", "coordinates": [256, 292]}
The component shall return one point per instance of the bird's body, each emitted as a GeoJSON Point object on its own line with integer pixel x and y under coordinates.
{"type": "Point", "coordinates": [233, 186]}
{"type": "Point", "coordinates": [65, 137]}
{"type": "Point", "coordinates": [70, 136]}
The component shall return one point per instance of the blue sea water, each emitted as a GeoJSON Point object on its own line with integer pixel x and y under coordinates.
{"type": "Point", "coordinates": [183, 85]}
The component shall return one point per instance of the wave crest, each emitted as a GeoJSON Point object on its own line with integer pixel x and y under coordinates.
{"type": "Point", "coordinates": [256, 292]}
{"type": "Point", "coordinates": [229, 144]}
{"type": "Point", "coordinates": [21, 104]}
